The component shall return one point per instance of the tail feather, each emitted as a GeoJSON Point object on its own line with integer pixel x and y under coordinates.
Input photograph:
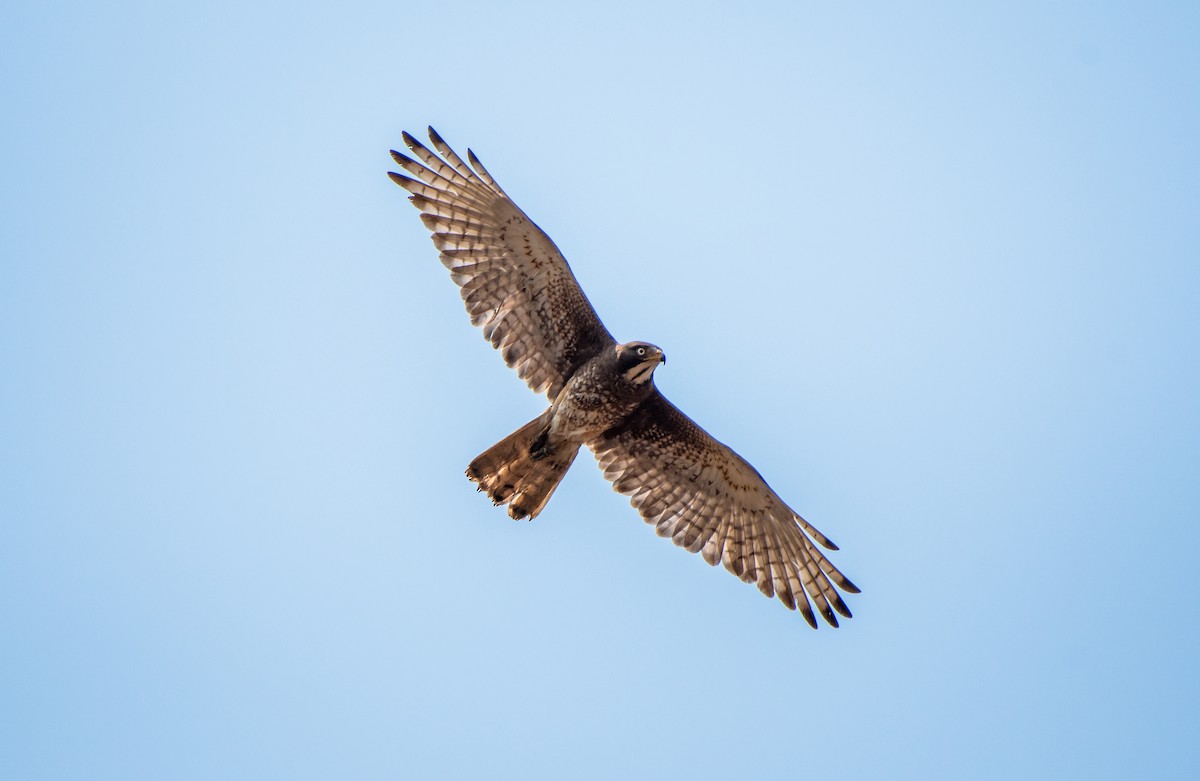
{"type": "Point", "coordinates": [520, 471]}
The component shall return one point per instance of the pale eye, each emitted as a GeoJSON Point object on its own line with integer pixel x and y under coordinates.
{"type": "Point", "coordinates": [641, 351]}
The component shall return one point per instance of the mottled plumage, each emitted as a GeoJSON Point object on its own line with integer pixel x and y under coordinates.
{"type": "Point", "coordinates": [518, 287]}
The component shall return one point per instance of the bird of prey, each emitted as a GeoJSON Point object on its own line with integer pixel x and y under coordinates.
{"type": "Point", "coordinates": [519, 289]}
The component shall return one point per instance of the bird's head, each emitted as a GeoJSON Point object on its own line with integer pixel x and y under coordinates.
{"type": "Point", "coordinates": [636, 361]}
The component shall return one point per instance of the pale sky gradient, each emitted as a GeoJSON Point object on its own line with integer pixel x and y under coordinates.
{"type": "Point", "coordinates": [934, 268]}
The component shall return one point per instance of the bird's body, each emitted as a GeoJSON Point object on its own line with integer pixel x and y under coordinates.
{"type": "Point", "coordinates": [604, 391]}
{"type": "Point", "coordinates": [524, 468]}
{"type": "Point", "coordinates": [518, 287]}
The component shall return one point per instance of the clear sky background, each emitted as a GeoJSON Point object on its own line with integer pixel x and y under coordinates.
{"type": "Point", "coordinates": [934, 268]}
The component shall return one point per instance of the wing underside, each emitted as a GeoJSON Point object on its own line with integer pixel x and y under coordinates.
{"type": "Point", "coordinates": [710, 501]}
{"type": "Point", "coordinates": [515, 283]}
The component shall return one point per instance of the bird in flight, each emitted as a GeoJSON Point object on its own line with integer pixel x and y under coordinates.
{"type": "Point", "coordinates": [518, 288]}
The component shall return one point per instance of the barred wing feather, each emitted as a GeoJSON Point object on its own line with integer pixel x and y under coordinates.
{"type": "Point", "coordinates": [515, 283]}
{"type": "Point", "coordinates": [709, 500]}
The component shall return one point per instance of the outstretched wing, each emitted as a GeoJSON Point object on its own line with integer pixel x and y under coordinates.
{"type": "Point", "coordinates": [516, 284]}
{"type": "Point", "coordinates": [707, 499]}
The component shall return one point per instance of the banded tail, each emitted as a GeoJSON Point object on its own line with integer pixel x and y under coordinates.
{"type": "Point", "coordinates": [520, 470]}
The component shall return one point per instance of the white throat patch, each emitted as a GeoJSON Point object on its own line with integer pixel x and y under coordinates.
{"type": "Point", "coordinates": [640, 373]}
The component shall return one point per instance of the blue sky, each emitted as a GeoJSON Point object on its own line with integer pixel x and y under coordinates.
{"type": "Point", "coordinates": [932, 269]}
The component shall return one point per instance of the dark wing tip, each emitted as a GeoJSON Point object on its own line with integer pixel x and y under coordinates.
{"type": "Point", "coordinates": [409, 141]}
{"type": "Point", "coordinates": [849, 587]}
{"type": "Point", "coordinates": [399, 179]}
{"type": "Point", "coordinates": [400, 158]}
{"type": "Point", "coordinates": [434, 137]}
